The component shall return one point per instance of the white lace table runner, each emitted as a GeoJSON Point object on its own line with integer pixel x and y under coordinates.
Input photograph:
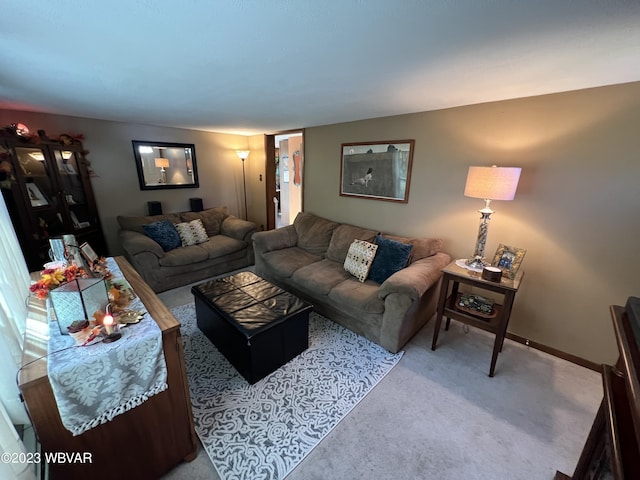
{"type": "Point", "coordinates": [95, 383]}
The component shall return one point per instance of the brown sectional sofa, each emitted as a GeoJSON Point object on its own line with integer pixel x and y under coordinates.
{"type": "Point", "coordinates": [229, 248]}
{"type": "Point", "coordinates": [307, 259]}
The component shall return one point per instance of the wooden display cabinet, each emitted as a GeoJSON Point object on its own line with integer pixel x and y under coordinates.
{"type": "Point", "coordinates": [48, 192]}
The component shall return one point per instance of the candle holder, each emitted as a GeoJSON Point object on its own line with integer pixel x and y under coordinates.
{"type": "Point", "coordinates": [111, 328]}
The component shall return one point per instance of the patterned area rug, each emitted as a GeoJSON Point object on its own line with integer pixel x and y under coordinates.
{"type": "Point", "coordinates": [263, 431]}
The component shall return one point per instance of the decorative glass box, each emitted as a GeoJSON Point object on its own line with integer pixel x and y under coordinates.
{"type": "Point", "coordinates": [78, 300]}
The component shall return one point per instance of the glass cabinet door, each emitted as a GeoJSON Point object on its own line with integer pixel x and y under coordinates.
{"type": "Point", "coordinates": [48, 193]}
{"type": "Point", "coordinates": [41, 190]}
{"type": "Point", "coordinates": [72, 192]}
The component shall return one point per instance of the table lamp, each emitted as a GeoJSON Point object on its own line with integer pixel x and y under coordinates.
{"type": "Point", "coordinates": [489, 183]}
{"type": "Point", "coordinates": [162, 164]}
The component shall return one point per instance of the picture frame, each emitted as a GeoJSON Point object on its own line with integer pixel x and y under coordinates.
{"type": "Point", "coordinates": [74, 219]}
{"type": "Point", "coordinates": [36, 197]}
{"type": "Point", "coordinates": [508, 259]}
{"type": "Point", "coordinates": [379, 170]}
{"type": "Point", "coordinates": [88, 253]}
{"type": "Point", "coordinates": [68, 169]}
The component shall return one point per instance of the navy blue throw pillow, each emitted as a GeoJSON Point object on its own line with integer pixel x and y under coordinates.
{"type": "Point", "coordinates": [164, 233]}
{"type": "Point", "coordinates": [391, 257]}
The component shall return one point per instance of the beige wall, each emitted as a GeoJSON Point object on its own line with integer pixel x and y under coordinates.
{"type": "Point", "coordinates": [577, 210]}
{"type": "Point", "coordinates": [256, 183]}
{"type": "Point", "coordinates": [116, 184]}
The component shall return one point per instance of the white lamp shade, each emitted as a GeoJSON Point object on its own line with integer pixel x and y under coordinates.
{"type": "Point", "coordinates": [162, 162]}
{"type": "Point", "coordinates": [493, 183]}
{"type": "Point", "coordinates": [243, 154]}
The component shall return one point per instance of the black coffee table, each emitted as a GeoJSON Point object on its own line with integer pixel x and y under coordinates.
{"type": "Point", "coordinates": [257, 326]}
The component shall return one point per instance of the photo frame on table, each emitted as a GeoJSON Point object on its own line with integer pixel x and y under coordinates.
{"type": "Point", "coordinates": [377, 170]}
{"type": "Point", "coordinates": [36, 197]}
{"type": "Point", "coordinates": [508, 259]}
{"type": "Point", "coordinates": [88, 253]}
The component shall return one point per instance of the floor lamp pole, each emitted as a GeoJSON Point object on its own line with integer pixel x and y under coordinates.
{"type": "Point", "coordinates": [244, 188]}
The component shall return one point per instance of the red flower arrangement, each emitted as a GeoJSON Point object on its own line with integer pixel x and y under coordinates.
{"type": "Point", "coordinates": [52, 278]}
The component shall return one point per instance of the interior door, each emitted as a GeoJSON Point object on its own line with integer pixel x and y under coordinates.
{"type": "Point", "coordinates": [284, 177]}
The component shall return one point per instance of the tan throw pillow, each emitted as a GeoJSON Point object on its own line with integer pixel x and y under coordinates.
{"type": "Point", "coordinates": [192, 233]}
{"type": "Point", "coordinates": [359, 259]}
{"type": "Point", "coordinates": [212, 219]}
{"type": "Point", "coordinates": [422, 247]}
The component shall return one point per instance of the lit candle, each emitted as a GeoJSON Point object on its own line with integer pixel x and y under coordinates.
{"type": "Point", "coordinates": [107, 321]}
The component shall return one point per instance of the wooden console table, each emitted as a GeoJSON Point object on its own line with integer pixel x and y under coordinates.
{"type": "Point", "coordinates": [453, 276]}
{"type": "Point", "coordinates": [143, 443]}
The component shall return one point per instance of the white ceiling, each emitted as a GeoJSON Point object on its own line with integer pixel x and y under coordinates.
{"type": "Point", "coordinates": [256, 66]}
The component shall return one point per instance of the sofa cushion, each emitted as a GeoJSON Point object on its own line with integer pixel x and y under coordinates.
{"type": "Point", "coordinates": [356, 297]}
{"type": "Point", "coordinates": [391, 257]}
{"type": "Point", "coordinates": [164, 233]}
{"type": "Point", "coordinates": [136, 223]}
{"type": "Point", "coordinates": [283, 263]}
{"type": "Point", "coordinates": [319, 278]}
{"type": "Point", "coordinates": [185, 256]}
{"type": "Point", "coordinates": [422, 247]}
{"type": "Point", "coordinates": [221, 245]}
{"type": "Point", "coordinates": [342, 238]}
{"type": "Point", "coordinates": [192, 233]}
{"type": "Point", "coordinates": [359, 259]}
{"type": "Point", "coordinates": [212, 218]}
{"type": "Point", "coordinates": [314, 233]}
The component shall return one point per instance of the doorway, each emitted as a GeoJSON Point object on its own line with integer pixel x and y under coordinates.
{"type": "Point", "coordinates": [284, 177]}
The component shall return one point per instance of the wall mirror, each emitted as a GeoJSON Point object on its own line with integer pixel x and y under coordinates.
{"type": "Point", "coordinates": [163, 165]}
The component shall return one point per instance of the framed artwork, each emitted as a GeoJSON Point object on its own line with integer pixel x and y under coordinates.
{"type": "Point", "coordinates": [36, 197]}
{"type": "Point", "coordinates": [508, 259]}
{"type": "Point", "coordinates": [376, 170]}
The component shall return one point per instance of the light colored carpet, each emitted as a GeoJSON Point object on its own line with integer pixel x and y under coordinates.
{"type": "Point", "coordinates": [437, 415]}
{"type": "Point", "coordinates": [263, 431]}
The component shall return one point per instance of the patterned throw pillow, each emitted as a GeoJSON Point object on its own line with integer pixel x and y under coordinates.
{"type": "Point", "coordinates": [163, 233]}
{"type": "Point", "coordinates": [359, 259]}
{"type": "Point", "coordinates": [192, 233]}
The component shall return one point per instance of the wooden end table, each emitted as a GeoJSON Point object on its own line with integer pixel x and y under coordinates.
{"type": "Point", "coordinates": [452, 277]}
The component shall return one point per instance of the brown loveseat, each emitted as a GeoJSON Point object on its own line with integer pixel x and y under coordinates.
{"type": "Point", "coordinates": [307, 259]}
{"type": "Point", "coordinates": [228, 248]}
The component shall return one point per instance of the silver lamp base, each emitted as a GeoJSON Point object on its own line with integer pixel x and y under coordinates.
{"type": "Point", "coordinates": [476, 263]}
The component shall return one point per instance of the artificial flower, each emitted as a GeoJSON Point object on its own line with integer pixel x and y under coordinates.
{"type": "Point", "coordinates": [52, 278]}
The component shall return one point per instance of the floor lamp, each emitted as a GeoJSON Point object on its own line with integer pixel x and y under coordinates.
{"type": "Point", "coordinates": [243, 154]}
{"type": "Point", "coordinates": [489, 183]}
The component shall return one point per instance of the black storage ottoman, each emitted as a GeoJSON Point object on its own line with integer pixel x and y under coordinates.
{"type": "Point", "coordinates": [257, 326]}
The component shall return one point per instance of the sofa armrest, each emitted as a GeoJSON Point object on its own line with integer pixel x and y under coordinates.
{"type": "Point", "coordinates": [416, 278]}
{"type": "Point", "coordinates": [237, 228]}
{"type": "Point", "coordinates": [135, 243]}
{"type": "Point", "coordinates": [277, 239]}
